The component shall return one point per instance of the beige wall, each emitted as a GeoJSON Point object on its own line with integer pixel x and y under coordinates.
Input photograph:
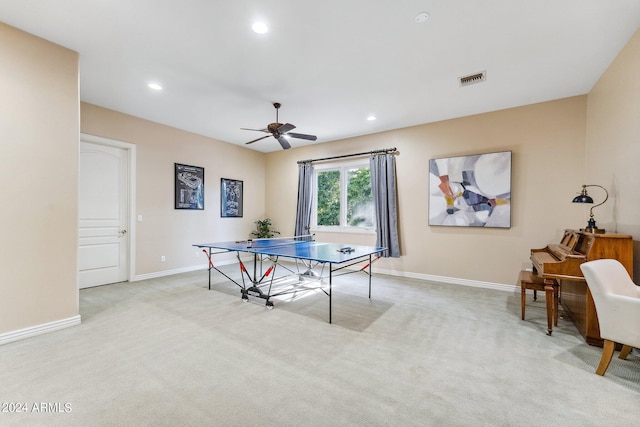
{"type": "Point", "coordinates": [613, 145]}
{"type": "Point", "coordinates": [547, 141]}
{"type": "Point", "coordinates": [39, 122]}
{"type": "Point", "coordinates": [164, 230]}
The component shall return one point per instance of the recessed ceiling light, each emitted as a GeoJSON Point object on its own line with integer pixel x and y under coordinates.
{"type": "Point", "coordinates": [371, 118]}
{"type": "Point", "coordinates": [260, 27]}
{"type": "Point", "coordinates": [154, 86]}
{"type": "Point", "coordinates": [422, 17]}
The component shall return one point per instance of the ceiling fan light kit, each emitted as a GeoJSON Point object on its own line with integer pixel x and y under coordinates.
{"type": "Point", "coordinates": [281, 132]}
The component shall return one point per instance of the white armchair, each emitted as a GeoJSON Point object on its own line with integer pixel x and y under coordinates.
{"type": "Point", "coordinates": [617, 301]}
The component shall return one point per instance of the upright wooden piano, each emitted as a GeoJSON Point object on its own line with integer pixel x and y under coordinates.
{"type": "Point", "coordinates": [562, 261]}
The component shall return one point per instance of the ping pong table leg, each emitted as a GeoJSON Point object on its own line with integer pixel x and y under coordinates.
{"type": "Point", "coordinates": [210, 264]}
{"type": "Point", "coordinates": [370, 276]}
{"type": "Point", "coordinates": [255, 266]}
{"type": "Point", "coordinates": [330, 280]}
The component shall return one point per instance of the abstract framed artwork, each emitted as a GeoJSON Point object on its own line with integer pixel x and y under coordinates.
{"type": "Point", "coordinates": [471, 191]}
{"type": "Point", "coordinates": [189, 187]}
{"type": "Point", "coordinates": [230, 198]}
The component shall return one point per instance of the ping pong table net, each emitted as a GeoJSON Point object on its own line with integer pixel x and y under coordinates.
{"type": "Point", "coordinates": [279, 241]}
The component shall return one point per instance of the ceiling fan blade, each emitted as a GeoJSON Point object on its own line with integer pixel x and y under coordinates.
{"type": "Point", "coordinates": [255, 140]}
{"type": "Point", "coordinates": [286, 128]}
{"type": "Point", "coordinates": [283, 141]}
{"type": "Point", "coordinates": [257, 130]}
{"type": "Point", "coordinates": [302, 136]}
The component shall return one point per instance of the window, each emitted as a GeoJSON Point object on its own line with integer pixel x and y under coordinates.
{"type": "Point", "coordinates": [343, 198]}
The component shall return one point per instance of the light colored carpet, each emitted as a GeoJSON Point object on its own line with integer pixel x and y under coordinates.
{"type": "Point", "coordinates": [169, 352]}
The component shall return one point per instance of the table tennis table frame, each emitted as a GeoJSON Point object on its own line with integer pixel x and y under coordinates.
{"type": "Point", "coordinates": [258, 279]}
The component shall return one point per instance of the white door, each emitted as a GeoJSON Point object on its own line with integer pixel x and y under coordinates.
{"type": "Point", "coordinates": [103, 215]}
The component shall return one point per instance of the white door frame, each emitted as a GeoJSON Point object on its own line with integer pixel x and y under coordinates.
{"type": "Point", "coordinates": [131, 187]}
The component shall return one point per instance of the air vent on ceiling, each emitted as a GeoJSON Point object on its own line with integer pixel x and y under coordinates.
{"type": "Point", "coordinates": [473, 78]}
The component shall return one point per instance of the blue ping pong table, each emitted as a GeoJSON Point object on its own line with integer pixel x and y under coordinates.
{"type": "Point", "coordinates": [308, 255]}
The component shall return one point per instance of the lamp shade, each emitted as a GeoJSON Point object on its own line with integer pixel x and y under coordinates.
{"type": "Point", "coordinates": [583, 198]}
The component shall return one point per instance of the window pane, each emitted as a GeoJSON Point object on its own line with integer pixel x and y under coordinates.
{"type": "Point", "coordinates": [359, 198]}
{"type": "Point", "coordinates": [329, 198]}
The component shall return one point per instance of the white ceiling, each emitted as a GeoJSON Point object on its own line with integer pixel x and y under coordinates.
{"type": "Point", "coordinates": [331, 63]}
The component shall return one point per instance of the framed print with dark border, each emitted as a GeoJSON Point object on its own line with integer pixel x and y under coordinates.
{"type": "Point", "coordinates": [471, 191]}
{"type": "Point", "coordinates": [230, 198]}
{"type": "Point", "coordinates": [189, 187]}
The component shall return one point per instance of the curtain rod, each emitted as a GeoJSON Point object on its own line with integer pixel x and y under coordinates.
{"type": "Point", "coordinates": [384, 150]}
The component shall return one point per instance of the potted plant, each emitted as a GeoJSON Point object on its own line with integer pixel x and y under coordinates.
{"type": "Point", "coordinates": [263, 229]}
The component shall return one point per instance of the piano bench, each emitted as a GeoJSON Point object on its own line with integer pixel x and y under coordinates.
{"type": "Point", "coordinates": [530, 280]}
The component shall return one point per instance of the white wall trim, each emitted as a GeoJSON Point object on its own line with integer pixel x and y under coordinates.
{"type": "Point", "coordinates": [33, 331]}
{"type": "Point", "coordinates": [450, 280]}
{"type": "Point", "coordinates": [180, 270]}
{"type": "Point", "coordinates": [409, 275]}
{"type": "Point", "coordinates": [169, 272]}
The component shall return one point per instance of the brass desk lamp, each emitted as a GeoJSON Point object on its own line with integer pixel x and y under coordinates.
{"type": "Point", "coordinates": [585, 198]}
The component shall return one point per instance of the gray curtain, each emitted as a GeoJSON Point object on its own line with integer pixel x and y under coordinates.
{"type": "Point", "coordinates": [383, 186]}
{"type": "Point", "coordinates": [305, 188]}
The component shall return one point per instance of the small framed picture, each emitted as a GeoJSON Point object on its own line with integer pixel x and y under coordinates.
{"type": "Point", "coordinates": [230, 198]}
{"type": "Point", "coordinates": [189, 187]}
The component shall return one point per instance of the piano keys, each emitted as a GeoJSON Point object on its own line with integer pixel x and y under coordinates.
{"type": "Point", "coordinates": [562, 261]}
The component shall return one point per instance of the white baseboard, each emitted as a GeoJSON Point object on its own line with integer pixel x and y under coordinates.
{"type": "Point", "coordinates": [178, 271]}
{"type": "Point", "coordinates": [38, 329]}
{"type": "Point", "coordinates": [451, 280]}
{"type": "Point", "coordinates": [409, 275]}
{"type": "Point", "coordinates": [168, 272]}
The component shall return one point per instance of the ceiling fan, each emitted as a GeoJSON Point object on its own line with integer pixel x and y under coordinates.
{"type": "Point", "coordinates": [281, 131]}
